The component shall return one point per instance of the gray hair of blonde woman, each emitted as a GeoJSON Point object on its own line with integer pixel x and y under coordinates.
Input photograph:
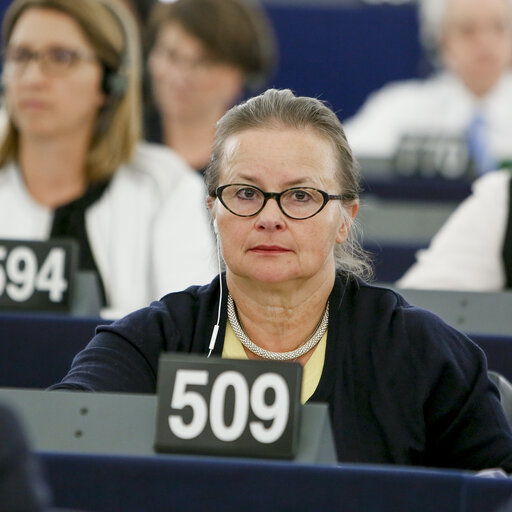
{"type": "Point", "coordinates": [281, 108]}
{"type": "Point", "coordinates": [432, 19]}
{"type": "Point", "coordinates": [111, 31]}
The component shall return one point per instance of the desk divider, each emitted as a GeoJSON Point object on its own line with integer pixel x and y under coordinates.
{"type": "Point", "coordinates": [124, 424]}
{"type": "Point", "coordinates": [470, 312]}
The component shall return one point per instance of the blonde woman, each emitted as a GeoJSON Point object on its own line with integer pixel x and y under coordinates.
{"type": "Point", "coordinates": [72, 164]}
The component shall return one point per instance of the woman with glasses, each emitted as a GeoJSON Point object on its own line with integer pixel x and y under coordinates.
{"type": "Point", "coordinates": [72, 163]}
{"type": "Point", "coordinates": [402, 386]}
{"type": "Point", "coordinates": [204, 54]}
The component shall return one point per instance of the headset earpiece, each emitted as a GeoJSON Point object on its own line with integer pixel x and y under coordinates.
{"type": "Point", "coordinates": [114, 83]}
{"type": "Point", "coordinates": [215, 227]}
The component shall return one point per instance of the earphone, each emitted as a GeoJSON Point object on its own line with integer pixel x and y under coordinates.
{"type": "Point", "coordinates": [115, 81]}
{"type": "Point", "coordinates": [215, 331]}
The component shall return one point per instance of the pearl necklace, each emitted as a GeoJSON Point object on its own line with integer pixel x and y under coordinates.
{"type": "Point", "coordinates": [268, 354]}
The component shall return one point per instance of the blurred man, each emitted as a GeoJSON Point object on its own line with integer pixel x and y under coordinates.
{"type": "Point", "coordinates": [470, 97]}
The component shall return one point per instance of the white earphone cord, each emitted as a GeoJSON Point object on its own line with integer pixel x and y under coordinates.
{"type": "Point", "coordinates": [215, 331]}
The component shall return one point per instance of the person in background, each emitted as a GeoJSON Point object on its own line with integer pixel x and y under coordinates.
{"type": "Point", "coordinates": [140, 10]}
{"type": "Point", "coordinates": [468, 96]}
{"type": "Point", "coordinates": [473, 249]}
{"type": "Point", "coordinates": [204, 55]}
{"type": "Point", "coordinates": [402, 386]}
{"type": "Point", "coordinates": [72, 163]}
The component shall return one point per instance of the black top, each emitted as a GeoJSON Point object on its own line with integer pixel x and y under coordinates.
{"type": "Point", "coordinates": [69, 222]}
{"type": "Point", "coordinates": [402, 386]}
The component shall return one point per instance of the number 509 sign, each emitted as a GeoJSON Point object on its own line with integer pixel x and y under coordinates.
{"type": "Point", "coordinates": [229, 407]}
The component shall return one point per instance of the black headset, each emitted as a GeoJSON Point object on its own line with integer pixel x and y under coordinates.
{"type": "Point", "coordinates": [115, 81]}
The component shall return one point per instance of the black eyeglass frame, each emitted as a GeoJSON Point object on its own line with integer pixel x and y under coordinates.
{"type": "Point", "coordinates": [277, 196]}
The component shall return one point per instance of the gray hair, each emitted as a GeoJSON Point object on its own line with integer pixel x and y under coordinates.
{"type": "Point", "coordinates": [432, 19]}
{"type": "Point", "coordinates": [275, 109]}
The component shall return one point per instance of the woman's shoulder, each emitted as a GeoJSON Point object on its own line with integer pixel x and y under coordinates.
{"type": "Point", "coordinates": [404, 91]}
{"type": "Point", "coordinates": [492, 182]}
{"type": "Point", "coordinates": [160, 168]}
{"type": "Point", "coordinates": [162, 163]}
{"type": "Point", "coordinates": [8, 174]}
{"type": "Point", "coordinates": [391, 317]}
{"type": "Point", "coordinates": [364, 294]}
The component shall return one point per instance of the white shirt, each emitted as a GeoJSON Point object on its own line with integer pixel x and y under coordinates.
{"type": "Point", "coordinates": [466, 253]}
{"type": "Point", "coordinates": [149, 232]}
{"type": "Point", "coordinates": [437, 105]}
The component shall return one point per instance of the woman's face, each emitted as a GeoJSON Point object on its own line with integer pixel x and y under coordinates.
{"type": "Point", "coordinates": [53, 98]}
{"type": "Point", "coordinates": [187, 83]}
{"type": "Point", "coordinates": [270, 247]}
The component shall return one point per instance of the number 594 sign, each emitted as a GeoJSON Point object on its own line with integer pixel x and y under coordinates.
{"type": "Point", "coordinates": [36, 275]}
{"type": "Point", "coordinates": [227, 407]}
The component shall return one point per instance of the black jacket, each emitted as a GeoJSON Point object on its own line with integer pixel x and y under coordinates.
{"type": "Point", "coordinates": [402, 386]}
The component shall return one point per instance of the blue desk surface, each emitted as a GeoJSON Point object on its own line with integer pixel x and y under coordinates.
{"type": "Point", "coordinates": [417, 189]}
{"type": "Point", "coordinates": [37, 351]}
{"type": "Point", "coordinates": [164, 483]}
{"type": "Point", "coordinates": [391, 260]}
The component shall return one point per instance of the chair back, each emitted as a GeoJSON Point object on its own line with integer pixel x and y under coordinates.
{"type": "Point", "coordinates": [505, 390]}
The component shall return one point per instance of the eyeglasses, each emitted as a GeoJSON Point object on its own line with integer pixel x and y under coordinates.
{"type": "Point", "coordinates": [54, 61]}
{"type": "Point", "coordinates": [174, 58]}
{"type": "Point", "coordinates": [296, 203]}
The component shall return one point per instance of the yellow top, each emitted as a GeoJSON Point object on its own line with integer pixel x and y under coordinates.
{"type": "Point", "coordinates": [311, 372]}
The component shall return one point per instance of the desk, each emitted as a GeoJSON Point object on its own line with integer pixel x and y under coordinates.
{"type": "Point", "coordinates": [468, 311]}
{"type": "Point", "coordinates": [391, 260]}
{"type": "Point", "coordinates": [36, 351]}
{"type": "Point", "coordinates": [164, 483]}
{"type": "Point", "coordinates": [402, 221]}
{"type": "Point", "coordinates": [434, 190]}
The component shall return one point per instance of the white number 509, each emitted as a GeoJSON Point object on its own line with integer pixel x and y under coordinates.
{"type": "Point", "coordinates": [276, 412]}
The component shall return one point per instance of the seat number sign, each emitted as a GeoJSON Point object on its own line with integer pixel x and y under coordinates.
{"type": "Point", "coordinates": [227, 407]}
{"type": "Point", "coordinates": [36, 275]}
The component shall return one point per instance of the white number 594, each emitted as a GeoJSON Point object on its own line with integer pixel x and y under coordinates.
{"type": "Point", "coordinates": [20, 276]}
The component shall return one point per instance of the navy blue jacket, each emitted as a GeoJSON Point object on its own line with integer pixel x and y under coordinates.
{"type": "Point", "coordinates": [403, 387]}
